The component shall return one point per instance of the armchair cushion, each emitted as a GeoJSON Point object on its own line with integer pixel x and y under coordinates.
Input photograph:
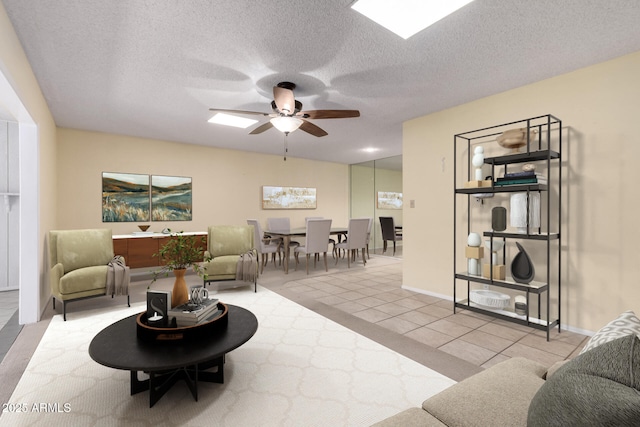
{"type": "Point", "coordinates": [84, 279]}
{"type": "Point", "coordinates": [223, 266]}
{"type": "Point", "coordinates": [84, 248]}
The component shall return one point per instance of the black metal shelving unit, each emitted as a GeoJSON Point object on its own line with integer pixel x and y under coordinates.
{"type": "Point", "coordinates": [545, 150]}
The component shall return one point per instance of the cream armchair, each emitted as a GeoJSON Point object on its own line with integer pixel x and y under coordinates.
{"type": "Point", "coordinates": [80, 266]}
{"type": "Point", "coordinates": [231, 254]}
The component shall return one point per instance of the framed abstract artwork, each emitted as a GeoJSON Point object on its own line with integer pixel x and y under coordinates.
{"type": "Point", "coordinates": [389, 200]}
{"type": "Point", "coordinates": [288, 197]}
{"type": "Point", "coordinates": [171, 198]}
{"type": "Point", "coordinates": [125, 197]}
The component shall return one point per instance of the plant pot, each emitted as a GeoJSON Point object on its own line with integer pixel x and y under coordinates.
{"type": "Point", "coordinates": [180, 293]}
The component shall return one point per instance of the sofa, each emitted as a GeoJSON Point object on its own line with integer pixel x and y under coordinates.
{"type": "Point", "coordinates": [600, 386]}
{"type": "Point", "coordinates": [83, 266]}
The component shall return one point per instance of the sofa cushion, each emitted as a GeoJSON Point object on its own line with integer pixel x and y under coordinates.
{"type": "Point", "coordinates": [84, 248]}
{"type": "Point", "coordinates": [412, 417]}
{"type": "Point", "coordinates": [498, 396]}
{"type": "Point", "coordinates": [599, 387]}
{"type": "Point", "coordinates": [625, 324]}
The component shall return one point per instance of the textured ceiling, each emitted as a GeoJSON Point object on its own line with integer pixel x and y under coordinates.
{"type": "Point", "coordinates": [153, 68]}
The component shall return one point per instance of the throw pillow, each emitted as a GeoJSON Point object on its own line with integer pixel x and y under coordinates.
{"type": "Point", "coordinates": [625, 324]}
{"type": "Point", "coordinates": [597, 388]}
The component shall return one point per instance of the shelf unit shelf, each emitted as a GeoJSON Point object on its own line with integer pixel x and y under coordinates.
{"type": "Point", "coordinates": [544, 150]}
{"type": "Point", "coordinates": [533, 287]}
{"type": "Point", "coordinates": [508, 315]}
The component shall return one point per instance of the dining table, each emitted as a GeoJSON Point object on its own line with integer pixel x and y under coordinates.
{"type": "Point", "coordinates": [299, 232]}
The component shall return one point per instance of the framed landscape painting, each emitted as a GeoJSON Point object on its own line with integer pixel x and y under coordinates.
{"type": "Point", "coordinates": [171, 198]}
{"type": "Point", "coordinates": [389, 200]}
{"type": "Point", "coordinates": [288, 197]}
{"type": "Point", "coordinates": [125, 197]}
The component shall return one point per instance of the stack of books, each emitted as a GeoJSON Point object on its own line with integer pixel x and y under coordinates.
{"type": "Point", "coordinates": [521, 178]}
{"type": "Point", "coordinates": [187, 315]}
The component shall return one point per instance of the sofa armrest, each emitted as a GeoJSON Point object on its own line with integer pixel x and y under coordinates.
{"type": "Point", "coordinates": [498, 396]}
{"type": "Point", "coordinates": [55, 274]}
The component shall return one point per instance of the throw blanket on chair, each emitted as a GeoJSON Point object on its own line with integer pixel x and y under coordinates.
{"type": "Point", "coordinates": [117, 277]}
{"type": "Point", "coordinates": [246, 268]}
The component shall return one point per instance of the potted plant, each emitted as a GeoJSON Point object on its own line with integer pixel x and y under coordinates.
{"type": "Point", "coordinates": [180, 253]}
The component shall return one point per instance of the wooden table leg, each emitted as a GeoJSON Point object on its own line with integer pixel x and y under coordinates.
{"type": "Point", "coordinates": [287, 241]}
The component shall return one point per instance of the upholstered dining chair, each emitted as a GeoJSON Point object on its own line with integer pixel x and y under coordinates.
{"type": "Point", "coordinates": [389, 233]}
{"type": "Point", "coordinates": [317, 241]}
{"type": "Point", "coordinates": [357, 234]}
{"type": "Point", "coordinates": [263, 245]}
{"type": "Point", "coordinates": [369, 235]}
{"type": "Point", "coordinates": [282, 224]}
{"type": "Point", "coordinates": [332, 242]}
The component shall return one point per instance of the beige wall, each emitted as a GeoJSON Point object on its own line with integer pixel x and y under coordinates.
{"type": "Point", "coordinates": [599, 108]}
{"type": "Point", "coordinates": [227, 184]}
{"type": "Point", "coordinates": [17, 70]}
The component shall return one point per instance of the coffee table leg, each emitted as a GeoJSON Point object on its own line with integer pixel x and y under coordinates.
{"type": "Point", "coordinates": [136, 385]}
{"type": "Point", "coordinates": [159, 383]}
{"type": "Point", "coordinates": [212, 377]}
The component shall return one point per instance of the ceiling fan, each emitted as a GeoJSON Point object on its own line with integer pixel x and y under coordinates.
{"type": "Point", "coordinates": [288, 116]}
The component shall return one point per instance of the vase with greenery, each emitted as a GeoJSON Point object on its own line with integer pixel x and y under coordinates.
{"type": "Point", "coordinates": [180, 253]}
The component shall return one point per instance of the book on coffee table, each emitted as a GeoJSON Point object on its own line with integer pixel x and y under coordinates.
{"type": "Point", "coordinates": [188, 314]}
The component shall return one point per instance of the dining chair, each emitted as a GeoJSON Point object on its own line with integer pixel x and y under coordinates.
{"type": "Point", "coordinates": [282, 224]}
{"type": "Point", "coordinates": [317, 241]}
{"type": "Point", "coordinates": [264, 245]}
{"type": "Point", "coordinates": [389, 233]}
{"type": "Point", "coordinates": [369, 235]}
{"type": "Point", "coordinates": [332, 242]}
{"type": "Point", "coordinates": [357, 234]}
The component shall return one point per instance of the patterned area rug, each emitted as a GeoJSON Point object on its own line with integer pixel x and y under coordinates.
{"type": "Point", "coordinates": [299, 369]}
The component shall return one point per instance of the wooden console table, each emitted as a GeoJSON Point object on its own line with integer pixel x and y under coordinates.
{"type": "Point", "coordinates": [138, 248]}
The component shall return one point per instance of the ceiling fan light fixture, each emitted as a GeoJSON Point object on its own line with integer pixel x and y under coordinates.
{"type": "Point", "coordinates": [286, 124]}
{"type": "Point", "coordinates": [231, 120]}
{"type": "Point", "coordinates": [407, 17]}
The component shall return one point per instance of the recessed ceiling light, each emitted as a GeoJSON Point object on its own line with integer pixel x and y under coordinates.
{"type": "Point", "coordinates": [370, 150]}
{"type": "Point", "coordinates": [407, 17]}
{"type": "Point", "coordinates": [231, 120]}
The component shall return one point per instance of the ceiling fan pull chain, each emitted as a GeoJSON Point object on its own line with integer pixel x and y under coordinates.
{"type": "Point", "coordinates": [286, 146]}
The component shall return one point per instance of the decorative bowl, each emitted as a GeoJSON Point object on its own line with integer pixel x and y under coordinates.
{"type": "Point", "coordinates": [143, 227]}
{"type": "Point", "coordinates": [515, 138]}
{"type": "Point", "coordinates": [489, 298]}
{"type": "Point", "coordinates": [497, 244]}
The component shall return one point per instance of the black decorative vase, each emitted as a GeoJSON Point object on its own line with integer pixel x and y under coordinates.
{"type": "Point", "coordinates": [499, 218]}
{"type": "Point", "coordinates": [522, 269]}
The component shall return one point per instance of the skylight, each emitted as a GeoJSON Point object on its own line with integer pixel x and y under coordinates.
{"type": "Point", "coordinates": [407, 17]}
{"type": "Point", "coordinates": [231, 120]}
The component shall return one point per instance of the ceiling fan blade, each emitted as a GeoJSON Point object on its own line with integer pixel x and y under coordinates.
{"type": "Point", "coordinates": [312, 129]}
{"type": "Point", "coordinates": [261, 128]}
{"type": "Point", "coordinates": [239, 111]}
{"type": "Point", "coordinates": [284, 99]}
{"type": "Point", "coordinates": [329, 114]}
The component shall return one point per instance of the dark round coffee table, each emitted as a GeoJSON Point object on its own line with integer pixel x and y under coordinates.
{"type": "Point", "coordinates": [117, 346]}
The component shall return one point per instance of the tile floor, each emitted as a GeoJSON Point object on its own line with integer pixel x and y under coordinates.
{"type": "Point", "coordinates": [374, 294]}
{"type": "Point", "coordinates": [9, 327]}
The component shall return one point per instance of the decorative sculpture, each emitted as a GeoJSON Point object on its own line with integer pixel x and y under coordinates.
{"type": "Point", "coordinates": [474, 253]}
{"type": "Point", "coordinates": [522, 268]}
